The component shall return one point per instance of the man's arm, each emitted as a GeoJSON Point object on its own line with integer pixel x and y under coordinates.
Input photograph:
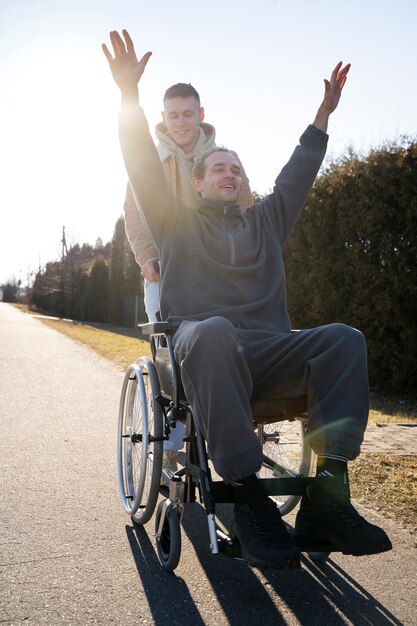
{"type": "Point", "coordinates": [293, 184]}
{"type": "Point", "coordinates": [139, 238]}
{"type": "Point", "coordinates": [297, 176]}
{"type": "Point", "coordinates": [152, 193]}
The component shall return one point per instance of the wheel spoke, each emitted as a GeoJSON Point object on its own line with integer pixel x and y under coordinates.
{"type": "Point", "coordinates": [287, 455]}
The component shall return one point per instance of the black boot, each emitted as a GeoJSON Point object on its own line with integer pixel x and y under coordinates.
{"type": "Point", "coordinates": [258, 527]}
{"type": "Point", "coordinates": [327, 521]}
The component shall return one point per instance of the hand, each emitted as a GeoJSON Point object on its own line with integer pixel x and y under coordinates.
{"type": "Point", "coordinates": [332, 92]}
{"type": "Point", "coordinates": [125, 67]}
{"type": "Point", "coordinates": [333, 87]}
{"type": "Point", "coordinates": [149, 270]}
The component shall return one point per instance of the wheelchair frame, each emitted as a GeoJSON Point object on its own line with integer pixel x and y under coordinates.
{"type": "Point", "coordinates": [152, 402]}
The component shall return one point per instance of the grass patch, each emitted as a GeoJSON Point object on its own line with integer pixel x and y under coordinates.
{"type": "Point", "coordinates": [120, 349]}
{"type": "Point", "coordinates": [395, 410]}
{"type": "Point", "coordinates": [388, 484]}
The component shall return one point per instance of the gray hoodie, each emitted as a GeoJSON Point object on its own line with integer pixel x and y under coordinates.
{"type": "Point", "coordinates": [216, 260]}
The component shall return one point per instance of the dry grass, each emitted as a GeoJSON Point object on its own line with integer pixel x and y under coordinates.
{"type": "Point", "coordinates": [394, 410]}
{"type": "Point", "coordinates": [120, 349]}
{"type": "Point", "coordinates": [388, 484]}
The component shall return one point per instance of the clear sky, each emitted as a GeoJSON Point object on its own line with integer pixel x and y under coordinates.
{"type": "Point", "coordinates": [258, 65]}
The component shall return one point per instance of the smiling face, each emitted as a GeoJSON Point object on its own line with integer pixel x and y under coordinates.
{"type": "Point", "coordinates": [182, 118]}
{"type": "Point", "coordinates": [222, 178]}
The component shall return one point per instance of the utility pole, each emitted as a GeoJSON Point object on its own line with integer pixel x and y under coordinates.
{"type": "Point", "coordinates": [64, 250]}
{"type": "Point", "coordinates": [64, 253]}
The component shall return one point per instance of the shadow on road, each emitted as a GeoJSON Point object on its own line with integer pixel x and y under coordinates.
{"type": "Point", "coordinates": [249, 596]}
{"type": "Point", "coordinates": [353, 600]}
{"type": "Point", "coordinates": [168, 596]}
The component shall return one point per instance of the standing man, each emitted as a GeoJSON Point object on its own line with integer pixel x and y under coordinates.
{"type": "Point", "coordinates": [234, 344]}
{"type": "Point", "coordinates": [182, 136]}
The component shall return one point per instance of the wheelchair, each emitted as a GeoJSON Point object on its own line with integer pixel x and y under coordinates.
{"type": "Point", "coordinates": [151, 405]}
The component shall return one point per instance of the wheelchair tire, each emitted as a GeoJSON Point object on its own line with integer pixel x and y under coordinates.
{"type": "Point", "coordinates": [139, 445]}
{"type": "Point", "coordinates": [168, 543]}
{"type": "Point", "coordinates": [286, 453]}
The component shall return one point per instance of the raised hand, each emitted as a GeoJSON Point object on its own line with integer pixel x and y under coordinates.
{"type": "Point", "coordinates": [124, 65]}
{"type": "Point", "coordinates": [333, 87]}
{"type": "Point", "coordinates": [332, 92]}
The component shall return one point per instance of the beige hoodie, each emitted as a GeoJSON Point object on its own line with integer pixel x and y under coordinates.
{"type": "Point", "coordinates": [178, 168]}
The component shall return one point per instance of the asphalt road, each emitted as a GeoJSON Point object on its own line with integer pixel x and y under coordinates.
{"type": "Point", "coordinates": [70, 555]}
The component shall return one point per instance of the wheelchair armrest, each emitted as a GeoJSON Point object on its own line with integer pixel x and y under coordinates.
{"type": "Point", "coordinates": [159, 328]}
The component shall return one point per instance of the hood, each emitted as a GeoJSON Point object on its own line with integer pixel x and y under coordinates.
{"type": "Point", "coordinates": [167, 146]}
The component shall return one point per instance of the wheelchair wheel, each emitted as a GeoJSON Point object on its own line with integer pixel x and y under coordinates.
{"type": "Point", "coordinates": [287, 453]}
{"type": "Point", "coordinates": [168, 538]}
{"type": "Point", "coordinates": [140, 433]}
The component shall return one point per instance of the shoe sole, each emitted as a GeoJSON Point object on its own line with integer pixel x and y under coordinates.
{"type": "Point", "coordinates": [306, 544]}
{"type": "Point", "coordinates": [290, 562]}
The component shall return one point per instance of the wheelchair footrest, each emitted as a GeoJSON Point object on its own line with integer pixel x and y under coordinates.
{"type": "Point", "coordinates": [273, 487]}
{"type": "Point", "coordinates": [287, 486]}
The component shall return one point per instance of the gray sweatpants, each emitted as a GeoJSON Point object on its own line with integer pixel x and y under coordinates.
{"type": "Point", "coordinates": [224, 369]}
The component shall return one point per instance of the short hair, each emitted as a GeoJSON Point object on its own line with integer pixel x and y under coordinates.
{"type": "Point", "coordinates": [199, 168]}
{"type": "Point", "coordinates": [181, 90]}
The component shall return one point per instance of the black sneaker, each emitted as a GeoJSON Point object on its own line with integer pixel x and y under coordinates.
{"type": "Point", "coordinates": [264, 540]}
{"type": "Point", "coordinates": [328, 522]}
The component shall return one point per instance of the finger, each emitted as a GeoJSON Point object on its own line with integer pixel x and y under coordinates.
{"type": "Point", "coordinates": [117, 43]}
{"type": "Point", "coordinates": [335, 72]}
{"type": "Point", "coordinates": [344, 71]}
{"type": "Point", "coordinates": [129, 43]}
{"type": "Point", "coordinates": [144, 60]}
{"type": "Point", "coordinates": [107, 53]}
{"type": "Point", "coordinates": [342, 78]}
{"type": "Point", "coordinates": [114, 42]}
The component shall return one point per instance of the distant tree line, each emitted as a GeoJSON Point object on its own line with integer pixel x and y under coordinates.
{"type": "Point", "coordinates": [94, 284]}
{"type": "Point", "coordinates": [351, 258]}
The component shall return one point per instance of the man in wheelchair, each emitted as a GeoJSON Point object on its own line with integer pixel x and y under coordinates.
{"type": "Point", "coordinates": [223, 282]}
